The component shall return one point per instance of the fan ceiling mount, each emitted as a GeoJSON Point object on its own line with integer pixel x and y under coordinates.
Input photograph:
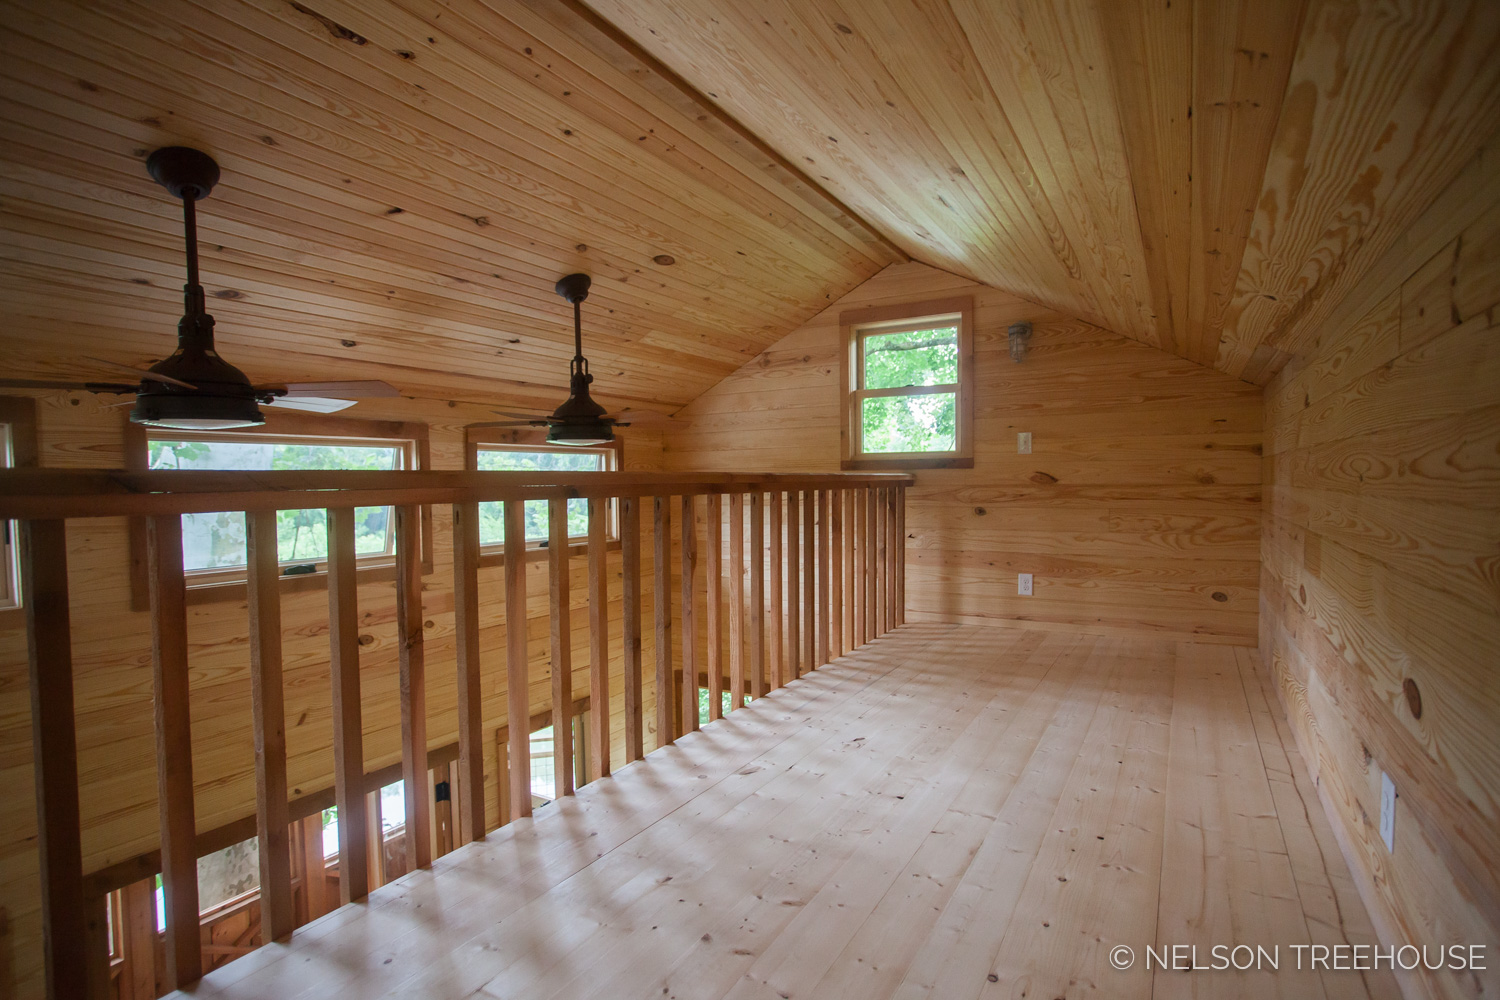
{"type": "Point", "coordinates": [579, 421]}
{"type": "Point", "coordinates": [194, 388]}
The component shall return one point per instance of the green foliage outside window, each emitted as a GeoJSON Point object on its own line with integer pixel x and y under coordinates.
{"type": "Point", "coordinates": [915, 423]}
{"type": "Point", "coordinates": [492, 515]}
{"type": "Point", "coordinates": [217, 541]}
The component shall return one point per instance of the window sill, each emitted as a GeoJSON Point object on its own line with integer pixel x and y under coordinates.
{"type": "Point", "coordinates": [903, 462]}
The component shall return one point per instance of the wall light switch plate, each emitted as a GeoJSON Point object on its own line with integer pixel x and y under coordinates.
{"type": "Point", "coordinates": [1023, 584]}
{"type": "Point", "coordinates": [1388, 812]}
{"type": "Point", "coordinates": [1023, 443]}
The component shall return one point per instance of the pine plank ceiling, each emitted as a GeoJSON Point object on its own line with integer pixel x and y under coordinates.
{"type": "Point", "coordinates": [405, 179]}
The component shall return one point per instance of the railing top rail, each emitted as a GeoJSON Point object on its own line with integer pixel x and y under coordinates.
{"type": "Point", "coordinates": [69, 493]}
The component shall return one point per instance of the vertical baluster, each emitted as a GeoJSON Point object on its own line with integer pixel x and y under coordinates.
{"type": "Point", "coordinates": [54, 755]}
{"type": "Point", "coordinates": [777, 567]}
{"type": "Point", "coordinates": [872, 624]}
{"type": "Point", "coordinates": [630, 631]}
{"type": "Point", "coordinates": [559, 606]}
{"type": "Point", "coordinates": [736, 600]}
{"type": "Point", "coordinates": [269, 718]}
{"type": "Point", "coordinates": [793, 668]}
{"type": "Point", "coordinates": [901, 556]}
{"type": "Point", "coordinates": [517, 697]}
{"type": "Point", "coordinates": [661, 600]}
{"type": "Point", "coordinates": [847, 612]}
{"type": "Point", "coordinates": [856, 568]}
{"type": "Point", "coordinates": [823, 566]}
{"type": "Point", "coordinates": [348, 725]}
{"type": "Point", "coordinates": [469, 815]}
{"type": "Point", "coordinates": [810, 660]}
{"type": "Point", "coordinates": [757, 623]}
{"type": "Point", "coordinates": [713, 605]}
{"type": "Point", "coordinates": [836, 574]}
{"type": "Point", "coordinates": [414, 778]}
{"type": "Point", "coordinates": [599, 636]}
{"type": "Point", "coordinates": [174, 750]}
{"type": "Point", "coordinates": [689, 555]}
{"type": "Point", "coordinates": [888, 561]}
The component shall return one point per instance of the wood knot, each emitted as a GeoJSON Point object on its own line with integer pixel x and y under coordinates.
{"type": "Point", "coordinates": [1042, 478]}
{"type": "Point", "coordinates": [1413, 697]}
{"type": "Point", "coordinates": [980, 511]}
{"type": "Point", "coordinates": [1220, 596]}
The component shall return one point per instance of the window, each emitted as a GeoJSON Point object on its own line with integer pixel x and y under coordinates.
{"type": "Point", "coordinates": [908, 385]}
{"type": "Point", "coordinates": [508, 457]}
{"type": "Point", "coordinates": [213, 545]}
{"type": "Point", "coordinates": [17, 450]}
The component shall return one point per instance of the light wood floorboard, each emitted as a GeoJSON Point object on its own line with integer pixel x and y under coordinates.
{"type": "Point", "coordinates": [952, 811]}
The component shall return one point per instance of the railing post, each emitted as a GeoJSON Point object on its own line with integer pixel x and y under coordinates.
{"type": "Point", "coordinates": [470, 779]}
{"type": "Point", "coordinates": [174, 750]}
{"type": "Point", "coordinates": [757, 595]}
{"type": "Point", "coordinates": [559, 601]}
{"type": "Point", "coordinates": [793, 668]}
{"type": "Point", "coordinates": [882, 549]}
{"type": "Point", "coordinates": [713, 605]}
{"type": "Point", "coordinates": [846, 612]}
{"type": "Point", "coordinates": [872, 566]}
{"type": "Point", "coordinates": [777, 610]}
{"type": "Point", "coordinates": [689, 556]}
{"type": "Point", "coordinates": [901, 556]}
{"type": "Point", "coordinates": [413, 669]}
{"type": "Point", "coordinates": [599, 636]}
{"type": "Point", "coordinates": [809, 581]}
{"type": "Point", "coordinates": [54, 755]}
{"type": "Point", "coordinates": [661, 600]}
{"type": "Point", "coordinates": [517, 696]}
{"type": "Point", "coordinates": [736, 600]}
{"type": "Point", "coordinates": [823, 564]}
{"type": "Point", "coordinates": [891, 537]}
{"type": "Point", "coordinates": [348, 726]}
{"type": "Point", "coordinates": [267, 700]}
{"type": "Point", "coordinates": [630, 615]}
{"type": "Point", "coordinates": [836, 574]}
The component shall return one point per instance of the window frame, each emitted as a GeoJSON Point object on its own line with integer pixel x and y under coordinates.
{"type": "Point", "coordinates": [229, 584]}
{"type": "Point", "coordinates": [19, 438]}
{"type": "Point", "coordinates": [855, 325]}
{"type": "Point", "coordinates": [532, 439]}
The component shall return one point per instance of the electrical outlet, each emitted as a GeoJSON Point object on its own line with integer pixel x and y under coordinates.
{"type": "Point", "coordinates": [1023, 585]}
{"type": "Point", "coordinates": [1388, 811]}
{"type": "Point", "coordinates": [1023, 443]}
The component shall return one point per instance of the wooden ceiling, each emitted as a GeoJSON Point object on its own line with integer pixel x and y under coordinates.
{"type": "Point", "coordinates": [404, 180]}
{"type": "Point", "coordinates": [1207, 176]}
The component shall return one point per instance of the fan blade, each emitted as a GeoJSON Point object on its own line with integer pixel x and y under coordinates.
{"type": "Point", "coordinates": [312, 404]}
{"type": "Point", "coordinates": [646, 418]}
{"type": "Point", "coordinates": [521, 416]}
{"type": "Point", "coordinates": [28, 383]}
{"type": "Point", "coordinates": [511, 423]}
{"type": "Point", "coordinates": [140, 372]}
{"type": "Point", "coordinates": [353, 389]}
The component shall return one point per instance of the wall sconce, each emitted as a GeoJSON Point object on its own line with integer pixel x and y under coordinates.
{"type": "Point", "coordinates": [1020, 334]}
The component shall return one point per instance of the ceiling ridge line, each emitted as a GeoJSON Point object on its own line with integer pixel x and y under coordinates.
{"type": "Point", "coordinates": [656, 66]}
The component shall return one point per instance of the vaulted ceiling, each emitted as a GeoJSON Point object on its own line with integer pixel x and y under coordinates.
{"type": "Point", "coordinates": [404, 180]}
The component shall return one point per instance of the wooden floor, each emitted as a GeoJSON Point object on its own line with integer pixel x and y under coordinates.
{"type": "Point", "coordinates": [953, 811]}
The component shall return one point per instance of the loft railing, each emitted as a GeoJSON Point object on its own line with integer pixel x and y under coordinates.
{"type": "Point", "coordinates": [831, 553]}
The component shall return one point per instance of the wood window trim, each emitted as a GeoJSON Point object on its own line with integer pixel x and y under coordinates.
{"type": "Point", "coordinates": [291, 423]}
{"type": "Point", "coordinates": [851, 322]}
{"type": "Point", "coordinates": [474, 437]}
{"type": "Point", "coordinates": [19, 412]}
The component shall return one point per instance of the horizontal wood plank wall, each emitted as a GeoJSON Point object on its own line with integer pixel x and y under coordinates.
{"type": "Point", "coordinates": [112, 661]}
{"type": "Point", "coordinates": [1379, 594]}
{"type": "Point", "coordinates": [1138, 509]}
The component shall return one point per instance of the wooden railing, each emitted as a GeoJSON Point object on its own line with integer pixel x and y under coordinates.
{"type": "Point", "coordinates": [832, 555]}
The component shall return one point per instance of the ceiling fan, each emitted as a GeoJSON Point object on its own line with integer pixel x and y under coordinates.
{"type": "Point", "coordinates": [579, 420]}
{"type": "Point", "coordinates": [194, 388]}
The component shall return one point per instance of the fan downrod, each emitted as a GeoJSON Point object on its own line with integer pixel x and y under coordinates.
{"type": "Point", "coordinates": [184, 171]}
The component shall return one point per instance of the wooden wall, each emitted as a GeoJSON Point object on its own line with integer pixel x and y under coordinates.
{"type": "Point", "coordinates": [1137, 511]}
{"type": "Point", "coordinates": [1382, 567]}
{"type": "Point", "coordinates": [112, 664]}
